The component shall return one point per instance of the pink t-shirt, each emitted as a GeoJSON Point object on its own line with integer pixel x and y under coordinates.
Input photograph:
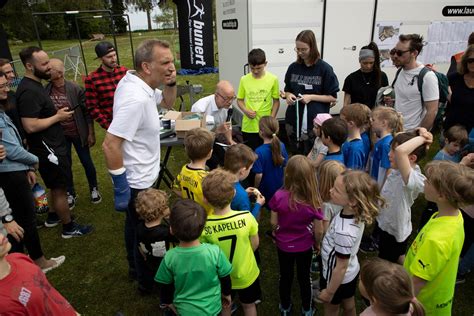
{"type": "Point", "coordinates": [295, 226]}
{"type": "Point", "coordinates": [26, 291]}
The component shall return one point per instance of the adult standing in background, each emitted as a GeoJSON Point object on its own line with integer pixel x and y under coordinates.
{"type": "Point", "coordinates": [313, 82]}
{"type": "Point", "coordinates": [78, 129]}
{"type": "Point", "coordinates": [101, 84]}
{"type": "Point", "coordinates": [132, 142]}
{"type": "Point", "coordinates": [362, 85]}
{"type": "Point", "coordinates": [40, 120]}
{"type": "Point", "coordinates": [456, 58]}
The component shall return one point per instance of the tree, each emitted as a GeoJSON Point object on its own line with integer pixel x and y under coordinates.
{"type": "Point", "coordinates": [144, 5]}
{"type": "Point", "coordinates": [118, 7]}
{"type": "Point", "coordinates": [168, 16]}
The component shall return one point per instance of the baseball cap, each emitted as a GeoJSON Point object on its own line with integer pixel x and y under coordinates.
{"type": "Point", "coordinates": [320, 118]}
{"type": "Point", "coordinates": [103, 48]}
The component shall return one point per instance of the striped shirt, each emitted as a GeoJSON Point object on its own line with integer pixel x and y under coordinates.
{"type": "Point", "coordinates": [100, 89]}
{"type": "Point", "coordinates": [342, 240]}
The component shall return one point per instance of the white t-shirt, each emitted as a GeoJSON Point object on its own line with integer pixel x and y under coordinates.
{"type": "Point", "coordinates": [330, 210]}
{"type": "Point", "coordinates": [342, 239]}
{"type": "Point", "coordinates": [136, 120]}
{"type": "Point", "coordinates": [318, 148]}
{"type": "Point", "coordinates": [208, 105]}
{"type": "Point", "coordinates": [395, 218]}
{"type": "Point", "coordinates": [408, 98]}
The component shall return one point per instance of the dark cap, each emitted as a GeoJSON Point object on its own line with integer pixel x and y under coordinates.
{"type": "Point", "coordinates": [103, 48]}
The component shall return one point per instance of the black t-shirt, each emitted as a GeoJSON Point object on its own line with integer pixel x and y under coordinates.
{"type": "Point", "coordinates": [12, 112]}
{"type": "Point", "coordinates": [461, 108]}
{"type": "Point", "coordinates": [316, 79]}
{"type": "Point", "coordinates": [154, 242]}
{"type": "Point", "coordinates": [363, 88]}
{"type": "Point", "coordinates": [33, 102]}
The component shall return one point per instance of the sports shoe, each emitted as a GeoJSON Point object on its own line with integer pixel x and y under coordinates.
{"type": "Point", "coordinates": [233, 308]}
{"type": "Point", "coordinates": [285, 312]}
{"type": "Point", "coordinates": [52, 220]}
{"type": "Point", "coordinates": [96, 198]}
{"type": "Point", "coordinates": [77, 230]}
{"type": "Point", "coordinates": [58, 261]}
{"type": "Point", "coordinates": [71, 200]}
{"type": "Point", "coordinates": [309, 312]}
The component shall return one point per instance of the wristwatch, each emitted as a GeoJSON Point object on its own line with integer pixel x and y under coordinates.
{"type": "Point", "coordinates": [7, 219]}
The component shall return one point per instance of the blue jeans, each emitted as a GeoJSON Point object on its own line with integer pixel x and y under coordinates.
{"type": "Point", "coordinates": [86, 160]}
{"type": "Point", "coordinates": [136, 262]}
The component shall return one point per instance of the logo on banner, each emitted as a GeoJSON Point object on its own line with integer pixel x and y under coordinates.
{"type": "Point", "coordinates": [196, 32]}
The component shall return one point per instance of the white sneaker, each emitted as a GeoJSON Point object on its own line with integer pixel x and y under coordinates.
{"type": "Point", "coordinates": [58, 261]}
{"type": "Point", "coordinates": [96, 198]}
{"type": "Point", "coordinates": [71, 201]}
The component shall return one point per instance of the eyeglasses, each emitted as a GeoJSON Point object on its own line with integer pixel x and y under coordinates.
{"type": "Point", "coordinates": [398, 52]}
{"type": "Point", "coordinates": [470, 60]}
{"type": "Point", "coordinates": [227, 99]}
{"type": "Point", "coordinates": [301, 50]}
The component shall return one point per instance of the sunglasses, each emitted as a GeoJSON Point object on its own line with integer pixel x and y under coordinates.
{"type": "Point", "coordinates": [470, 60]}
{"type": "Point", "coordinates": [398, 52]}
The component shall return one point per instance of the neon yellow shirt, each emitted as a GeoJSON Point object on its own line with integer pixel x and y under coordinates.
{"type": "Point", "coordinates": [434, 256]}
{"type": "Point", "coordinates": [189, 182]}
{"type": "Point", "coordinates": [258, 95]}
{"type": "Point", "coordinates": [232, 232]}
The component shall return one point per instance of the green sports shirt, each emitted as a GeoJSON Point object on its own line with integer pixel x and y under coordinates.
{"type": "Point", "coordinates": [232, 232]}
{"type": "Point", "coordinates": [434, 256]}
{"type": "Point", "coordinates": [258, 95]}
{"type": "Point", "coordinates": [195, 272]}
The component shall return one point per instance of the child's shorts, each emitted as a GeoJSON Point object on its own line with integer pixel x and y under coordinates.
{"type": "Point", "coordinates": [344, 291]}
{"type": "Point", "coordinates": [389, 248]}
{"type": "Point", "coordinates": [249, 295]}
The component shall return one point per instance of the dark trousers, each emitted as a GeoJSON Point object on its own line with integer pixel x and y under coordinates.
{"type": "Point", "coordinates": [252, 140]}
{"type": "Point", "coordinates": [20, 197]}
{"type": "Point", "coordinates": [303, 263]}
{"type": "Point", "coordinates": [84, 155]}
{"type": "Point", "coordinates": [136, 262]}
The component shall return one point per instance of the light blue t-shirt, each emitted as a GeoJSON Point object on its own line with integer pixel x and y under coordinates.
{"type": "Point", "coordinates": [442, 155]}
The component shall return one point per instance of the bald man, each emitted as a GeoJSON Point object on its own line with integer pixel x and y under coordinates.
{"type": "Point", "coordinates": [78, 130]}
{"type": "Point", "coordinates": [217, 105]}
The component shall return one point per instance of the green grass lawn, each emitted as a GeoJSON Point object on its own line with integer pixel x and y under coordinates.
{"type": "Point", "coordinates": [94, 277]}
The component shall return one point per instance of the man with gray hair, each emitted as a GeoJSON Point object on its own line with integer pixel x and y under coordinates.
{"type": "Point", "coordinates": [132, 142]}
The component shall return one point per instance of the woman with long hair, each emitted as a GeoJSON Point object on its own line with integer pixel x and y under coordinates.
{"type": "Point", "coordinates": [362, 85]}
{"type": "Point", "coordinates": [311, 85]}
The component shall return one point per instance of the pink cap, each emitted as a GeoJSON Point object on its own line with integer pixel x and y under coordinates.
{"type": "Point", "coordinates": [320, 118]}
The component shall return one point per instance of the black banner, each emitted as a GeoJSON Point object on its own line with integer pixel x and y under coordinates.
{"type": "Point", "coordinates": [196, 39]}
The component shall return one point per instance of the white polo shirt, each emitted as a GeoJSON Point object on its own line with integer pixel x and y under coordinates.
{"type": "Point", "coordinates": [136, 120]}
{"type": "Point", "coordinates": [208, 105]}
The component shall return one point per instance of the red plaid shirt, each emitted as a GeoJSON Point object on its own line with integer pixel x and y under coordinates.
{"type": "Point", "coordinates": [100, 90]}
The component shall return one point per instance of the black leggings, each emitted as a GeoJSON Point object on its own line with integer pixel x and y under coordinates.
{"type": "Point", "coordinates": [20, 197]}
{"type": "Point", "coordinates": [303, 265]}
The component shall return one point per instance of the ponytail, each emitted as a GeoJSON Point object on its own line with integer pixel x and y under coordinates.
{"type": "Point", "coordinates": [398, 128]}
{"type": "Point", "coordinates": [394, 119]}
{"type": "Point", "coordinates": [269, 129]}
{"type": "Point", "coordinates": [417, 307]}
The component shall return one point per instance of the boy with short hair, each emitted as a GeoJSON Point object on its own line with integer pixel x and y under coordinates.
{"type": "Point", "coordinates": [236, 232]}
{"type": "Point", "coordinates": [239, 160]}
{"type": "Point", "coordinates": [193, 276]}
{"type": "Point", "coordinates": [258, 96]}
{"type": "Point", "coordinates": [402, 186]}
{"type": "Point", "coordinates": [333, 135]}
{"type": "Point", "coordinates": [356, 116]}
{"type": "Point", "coordinates": [198, 144]}
{"type": "Point", "coordinates": [456, 138]}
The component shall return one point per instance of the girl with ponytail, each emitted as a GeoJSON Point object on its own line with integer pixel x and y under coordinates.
{"type": "Point", "coordinates": [272, 158]}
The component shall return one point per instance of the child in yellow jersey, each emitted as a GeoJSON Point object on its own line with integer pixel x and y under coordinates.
{"type": "Point", "coordinates": [198, 144]}
{"type": "Point", "coordinates": [236, 233]}
{"type": "Point", "coordinates": [258, 96]}
{"type": "Point", "coordinates": [433, 257]}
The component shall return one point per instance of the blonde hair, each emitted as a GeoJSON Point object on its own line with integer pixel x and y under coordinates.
{"type": "Point", "coordinates": [269, 128]}
{"type": "Point", "coordinates": [301, 182]}
{"type": "Point", "coordinates": [152, 204]}
{"type": "Point", "coordinates": [453, 181]}
{"type": "Point", "coordinates": [328, 171]}
{"type": "Point", "coordinates": [363, 191]}
{"type": "Point", "coordinates": [391, 286]}
{"type": "Point", "coordinates": [358, 113]}
{"type": "Point", "coordinates": [393, 118]}
{"type": "Point", "coordinates": [218, 188]}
